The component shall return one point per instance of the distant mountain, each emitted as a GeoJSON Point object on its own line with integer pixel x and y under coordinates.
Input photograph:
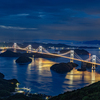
{"type": "Point", "coordinates": [92, 42]}
{"type": "Point", "coordinates": [46, 45]}
{"type": "Point", "coordinates": [55, 41]}
{"type": "Point", "coordinates": [66, 41]}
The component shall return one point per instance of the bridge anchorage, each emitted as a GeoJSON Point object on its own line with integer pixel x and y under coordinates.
{"type": "Point", "coordinates": [94, 61]}
{"type": "Point", "coordinates": [71, 55]}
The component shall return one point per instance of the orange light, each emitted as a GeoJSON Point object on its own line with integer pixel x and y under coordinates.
{"type": "Point", "coordinates": [12, 83]}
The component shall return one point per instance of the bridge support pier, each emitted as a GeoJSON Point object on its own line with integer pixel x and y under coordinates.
{"type": "Point", "coordinates": [93, 76]}
{"type": "Point", "coordinates": [15, 50]}
{"type": "Point", "coordinates": [71, 60]}
{"type": "Point", "coordinates": [72, 55]}
{"type": "Point", "coordinates": [27, 51]}
{"type": "Point", "coordinates": [93, 67]}
{"type": "Point", "coordinates": [83, 65]}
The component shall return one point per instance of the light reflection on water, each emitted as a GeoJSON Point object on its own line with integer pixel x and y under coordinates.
{"type": "Point", "coordinates": [38, 76]}
{"type": "Point", "coordinates": [72, 80]}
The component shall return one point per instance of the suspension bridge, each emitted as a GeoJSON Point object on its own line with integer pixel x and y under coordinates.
{"type": "Point", "coordinates": [94, 60]}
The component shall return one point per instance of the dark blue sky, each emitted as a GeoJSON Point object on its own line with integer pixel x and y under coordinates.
{"type": "Point", "coordinates": [49, 19]}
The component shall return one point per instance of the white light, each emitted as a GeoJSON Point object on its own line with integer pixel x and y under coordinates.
{"type": "Point", "coordinates": [30, 47]}
{"type": "Point", "coordinates": [15, 44]}
{"type": "Point", "coordinates": [20, 91]}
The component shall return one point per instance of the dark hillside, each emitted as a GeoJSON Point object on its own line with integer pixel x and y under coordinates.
{"type": "Point", "coordinates": [91, 92]}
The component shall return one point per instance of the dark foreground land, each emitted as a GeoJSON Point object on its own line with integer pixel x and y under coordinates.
{"type": "Point", "coordinates": [91, 92]}
{"type": "Point", "coordinates": [7, 91]}
{"type": "Point", "coordinates": [7, 87]}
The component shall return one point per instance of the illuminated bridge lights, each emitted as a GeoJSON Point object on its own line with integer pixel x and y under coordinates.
{"type": "Point", "coordinates": [42, 50]}
{"type": "Point", "coordinates": [30, 47]}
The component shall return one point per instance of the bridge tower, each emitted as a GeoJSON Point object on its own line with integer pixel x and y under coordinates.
{"type": "Point", "coordinates": [89, 56]}
{"type": "Point", "coordinates": [94, 61]}
{"type": "Point", "coordinates": [58, 52]}
{"type": "Point", "coordinates": [40, 49]}
{"type": "Point", "coordinates": [30, 48]}
{"type": "Point", "coordinates": [71, 55]}
{"type": "Point", "coordinates": [15, 47]}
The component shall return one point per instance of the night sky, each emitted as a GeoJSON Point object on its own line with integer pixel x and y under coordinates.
{"type": "Point", "coordinates": [26, 20]}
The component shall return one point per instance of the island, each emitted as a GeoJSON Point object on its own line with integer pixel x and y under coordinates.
{"type": "Point", "coordinates": [81, 69]}
{"type": "Point", "coordinates": [23, 60]}
{"type": "Point", "coordinates": [10, 53]}
{"type": "Point", "coordinates": [63, 67]}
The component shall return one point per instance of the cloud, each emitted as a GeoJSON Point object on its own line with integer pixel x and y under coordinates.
{"type": "Point", "coordinates": [49, 18]}
{"type": "Point", "coordinates": [16, 28]}
{"type": "Point", "coordinates": [19, 6]}
{"type": "Point", "coordinates": [23, 14]}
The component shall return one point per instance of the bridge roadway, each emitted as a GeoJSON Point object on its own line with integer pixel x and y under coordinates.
{"type": "Point", "coordinates": [65, 57]}
{"type": "Point", "coordinates": [52, 55]}
{"type": "Point", "coordinates": [72, 58]}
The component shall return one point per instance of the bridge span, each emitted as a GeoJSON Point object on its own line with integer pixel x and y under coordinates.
{"type": "Point", "coordinates": [92, 59]}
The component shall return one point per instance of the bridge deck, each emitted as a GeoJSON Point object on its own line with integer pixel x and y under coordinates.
{"type": "Point", "coordinates": [58, 55]}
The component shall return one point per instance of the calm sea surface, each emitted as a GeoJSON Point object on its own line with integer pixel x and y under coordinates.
{"type": "Point", "coordinates": [38, 76]}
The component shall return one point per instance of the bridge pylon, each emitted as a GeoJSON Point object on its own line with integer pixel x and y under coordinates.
{"type": "Point", "coordinates": [40, 49]}
{"type": "Point", "coordinates": [29, 48]}
{"type": "Point", "coordinates": [94, 61]}
{"type": "Point", "coordinates": [71, 55]}
{"type": "Point", "coordinates": [15, 47]}
{"type": "Point", "coordinates": [58, 52]}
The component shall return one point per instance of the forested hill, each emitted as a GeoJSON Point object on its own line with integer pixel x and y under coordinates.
{"type": "Point", "coordinates": [91, 92]}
